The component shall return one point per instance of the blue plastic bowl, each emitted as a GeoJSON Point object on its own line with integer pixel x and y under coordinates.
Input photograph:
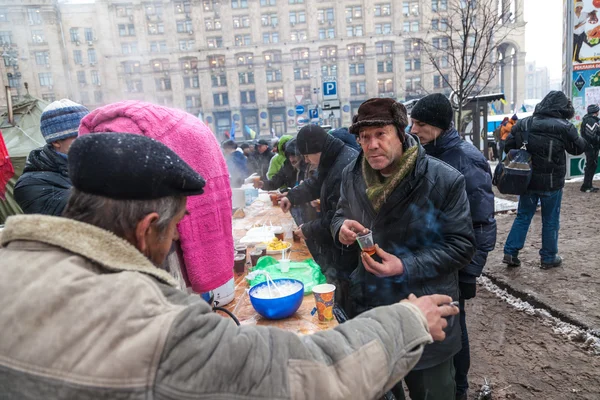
{"type": "Point", "coordinates": [278, 308]}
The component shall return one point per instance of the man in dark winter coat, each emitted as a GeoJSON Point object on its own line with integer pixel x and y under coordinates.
{"type": "Point", "coordinates": [261, 159]}
{"type": "Point", "coordinates": [291, 172]}
{"type": "Point", "coordinates": [331, 156]}
{"type": "Point", "coordinates": [346, 137]}
{"type": "Point", "coordinates": [44, 186]}
{"type": "Point", "coordinates": [590, 131]}
{"type": "Point", "coordinates": [432, 123]}
{"type": "Point", "coordinates": [418, 212]}
{"type": "Point", "coordinates": [550, 134]}
{"type": "Point", "coordinates": [236, 163]}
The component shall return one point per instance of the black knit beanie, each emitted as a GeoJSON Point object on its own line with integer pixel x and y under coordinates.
{"type": "Point", "coordinates": [311, 139]}
{"type": "Point", "coordinates": [434, 110]}
{"type": "Point", "coordinates": [593, 109]}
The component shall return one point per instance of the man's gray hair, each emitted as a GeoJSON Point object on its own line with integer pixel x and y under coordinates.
{"type": "Point", "coordinates": [121, 216]}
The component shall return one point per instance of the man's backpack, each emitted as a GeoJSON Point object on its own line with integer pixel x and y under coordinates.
{"type": "Point", "coordinates": [513, 174]}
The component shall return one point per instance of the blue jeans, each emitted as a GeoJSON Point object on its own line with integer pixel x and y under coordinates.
{"type": "Point", "coordinates": [550, 224]}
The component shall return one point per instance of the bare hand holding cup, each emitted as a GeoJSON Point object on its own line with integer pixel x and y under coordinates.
{"type": "Point", "coordinates": [349, 230]}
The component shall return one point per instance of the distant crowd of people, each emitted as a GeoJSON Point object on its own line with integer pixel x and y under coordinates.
{"type": "Point", "coordinates": [88, 303]}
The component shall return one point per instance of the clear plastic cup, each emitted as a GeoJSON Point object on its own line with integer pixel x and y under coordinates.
{"type": "Point", "coordinates": [366, 243]}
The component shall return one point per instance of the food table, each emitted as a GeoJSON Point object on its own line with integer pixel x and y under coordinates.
{"type": "Point", "coordinates": [260, 212]}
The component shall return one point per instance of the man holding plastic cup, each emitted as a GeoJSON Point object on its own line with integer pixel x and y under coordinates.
{"type": "Point", "coordinates": [417, 211]}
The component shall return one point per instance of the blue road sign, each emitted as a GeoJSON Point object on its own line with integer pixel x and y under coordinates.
{"type": "Point", "coordinates": [299, 110]}
{"type": "Point", "coordinates": [313, 113]}
{"type": "Point", "coordinates": [330, 88]}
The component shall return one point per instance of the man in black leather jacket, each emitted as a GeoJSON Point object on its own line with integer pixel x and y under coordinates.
{"type": "Point", "coordinates": [417, 209]}
{"type": "Point", "coordinates": [590, 131]}
{"type": "Point", "coordinates": [44, 187]}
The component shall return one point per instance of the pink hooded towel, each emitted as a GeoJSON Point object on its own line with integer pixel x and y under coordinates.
{"type": "Point", "coordinates": [205, 234]}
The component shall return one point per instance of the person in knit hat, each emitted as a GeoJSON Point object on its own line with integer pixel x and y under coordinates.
{"type": "Point", "coordinates": [417, 211]}
{"type": "Point", "coordinates": [590, 131]}
{"type": "Point", "coordinates": [330, 155]}
{"type": "Point", "coordinates": [432, 123]}
{"type": "Point", "coordinates": [44, 186]}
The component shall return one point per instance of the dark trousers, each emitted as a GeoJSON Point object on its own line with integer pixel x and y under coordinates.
{"type": "Point", "coordinates": [462, 359]}
{"type": "Point", "coordinates": [577, 43]}
{"type": "Point", "coordinates": [591, 163]}
{"type": "Point", "coordinates": [435, 383]}
{"type": "Point", "coordinates": [501, 149]}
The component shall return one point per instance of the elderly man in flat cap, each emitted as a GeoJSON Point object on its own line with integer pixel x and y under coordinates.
{"type": "Point", "coordinates": [418, 212]}
{"type": "Point", "coordinates": [86, 312]}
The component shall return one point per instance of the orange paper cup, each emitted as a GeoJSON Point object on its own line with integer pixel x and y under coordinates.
{"type": "Point", "coordinates": [324, 295]}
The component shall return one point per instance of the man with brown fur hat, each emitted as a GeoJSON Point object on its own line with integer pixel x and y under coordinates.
{"type": "Point", "coordinates": [417, 209]}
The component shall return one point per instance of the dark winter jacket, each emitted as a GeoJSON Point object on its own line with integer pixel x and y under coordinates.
{"type": "Point", "coordinates": [238, 170]}
{"type": "Point", "coordinates": [259, 163]}
{"type": "Point", "coordinates": [326, 187]}
{"type": "Point", "coordinates": [288, 176]}
{"type": "Point", "coordinates": [346, 137]}
{"type": "Point", "coordinates": [426, 223]}
{"type": "Point", "coordinates": [590, 130]}
{"type": "Point", "coordinates": [478, 180]}
{"type": "Point", "coordinates": [550, 134]}
{"type": "Point", "coordinates": [44, 187]}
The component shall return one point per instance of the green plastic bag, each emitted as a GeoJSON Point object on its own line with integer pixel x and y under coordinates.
{"type": "Point", "coordinates": [308, 272]}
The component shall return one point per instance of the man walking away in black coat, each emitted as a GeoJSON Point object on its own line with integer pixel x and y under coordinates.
{"type": "Point", "coordinates": [332, 156]}
{"type": "Point", "coordinates": [417, 209]}
{"type": "Point", "coordinates": [432, 123]}
{"type": "Point", "coordinates": [590, 131]}
{"type": "Point", "coordinates": [44, 186]}
{"type": "Point", "coordinates": [550, 134]}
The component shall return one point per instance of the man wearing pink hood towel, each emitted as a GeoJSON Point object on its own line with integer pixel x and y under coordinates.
{"type": "Point", "coordinates": [205, 234]}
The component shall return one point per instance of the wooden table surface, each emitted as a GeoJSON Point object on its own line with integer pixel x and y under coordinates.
{"type": "Point", "coordinates": [302, 322]}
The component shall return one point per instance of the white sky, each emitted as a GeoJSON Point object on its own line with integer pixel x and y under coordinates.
{"type": "Point", "coordinates": [543, 34]}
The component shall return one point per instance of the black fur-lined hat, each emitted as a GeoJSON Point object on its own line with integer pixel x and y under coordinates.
{"type": "Point", "coordinates": [380, 112]}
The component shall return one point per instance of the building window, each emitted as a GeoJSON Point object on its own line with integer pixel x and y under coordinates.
{"type": "Point", "coordinates": [81, 79]}
{"type": "Point", "coordinates": [212, 25]}
{"type": "Point", "coordinates": [414, 26]}
{"type": "Point", "coordinates": [45, 79]}
{"type": "Point", "coordinates": [353, 12]}
{"type": "Point", "coordinates": [49, 97]}
{"type": "Point", "coordinates": [413, 84]}
{"type": "Point", "coordinates": [384, 47]}
{"type": "Point", "coordinates": [301, 73]}
{"type": "Point", "coordinates": [129, 48]}
{"type": "Point", "coordinates": [74, 35]}
{"type": "Point", "coordinates": [162, 84]}
{"type": "Point", "coordinates": [126, 30]}
{"type": "Point", "coordinates": [219, 80]}
{"type": "Point", "coordinates": [98, 97]}
{"type": "Point", "coordinates": [154, 9]}
{"type": "Point", "coordinates": [439, 5]}
{"type": "Point", "coordinates": [187, 45]}
{"type": "Point", "coordinates": [356, 50]}
{"type": "Point", "coordinates": [383, 29]}
{"type": "Point", "coordinates": [185, 26]}
{"type": "Point", "coordinates": [221, 99]}
{"type": "Point", "coordinates": [357, 69]}
{"type": "Point", "coordinates": [132, 67]}
{"type": "Point", "coordinates": [37, 36]}
{"type": "Point", "coordinates": [440, 81]}
{"type": "Point", "coordinates": [382, 10]}
{"type": "Point", "coordinates": [325, 15]}
{"type": "Point", "coordinates": [91, 53]}
{"type": "Point", "coordinates": [326, 33]}
{"type": "Point", "coordinates": [242, 21]}
{"type": "Point", "coordinates": [356, 30]}
{"type": "Point", "coordinates": [243, 40]}
{"type": "Point", "coordinates": [273, 75]}
{"type": "Point", "coordinates": [275, 94]}
{"type": "Point", "coordinates": [124, 11]}
{"type": "Point", "coordinates": [440, 43]}
{"type": "Point", "coordinates": [134, 86]}
{"type": "Point", "coordinates": [214, 42]}
{"type": "Point", "coordinates": [42, 58]}
{"type": "Point", "coordinates": [239, 3]}
{"type": "Point", "coordinates": [190, 82]}
{"type": "Point", "coordinates": [88, 33]}
{"type": "Point", "coordinates": [300, 54]}
{"type": "Point", "coordinates": [95, 78]}
{"type": "Point", "coordinates": [264, 3]}
{"type": "Point", "coordinates": [359, 87]}
{"type": "Point", "coordinates": [269, 20]}
{"type": "Point", "coordinates": [297, 17]}
{"type": "Point", "coordinates": [410, 8]}
{"type": "Point", "coordinates": [388, 66]}
{"type": "Point", "coordinates": [3, 15]}
{"type": "Point", "coordinates": [34, 16]}
{"type": "Point", "coordinates": [183, 7]}
{"type": "Point", "coordinates": [192, 102]}
{"type": "Point", "coordinates": [209, 5]}
{"type": "Point", "coordinates": [14, 82]}
{"type": "Point", "coordinates": [329, 70]}
{"type": "Point", "coordinates": [385, 85]}
{"type": "Point", "coordinates": [160, 65]}
{"type": "Point", "coordinates": [246, 78]}
{"type": "Point", "coordinates": [77, 57]}
{"type": "Point", "coordinates": [298, 36]}
{"type": "Point", "coordinates": [158, 46]}
{"type": "Point", "coordinates": [156, 28]}
{"type": "Point", "coordinates": [272, 37]}
{"type": "Point", "coordinates": [218, 61]}
{"type": "Point", "coordinates": [296, 1]}
{"type": "Point", "coordinates": [248, 96]}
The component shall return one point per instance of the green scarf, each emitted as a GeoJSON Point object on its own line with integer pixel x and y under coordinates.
{"type": "Point", "coordinates": [379, 187]}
